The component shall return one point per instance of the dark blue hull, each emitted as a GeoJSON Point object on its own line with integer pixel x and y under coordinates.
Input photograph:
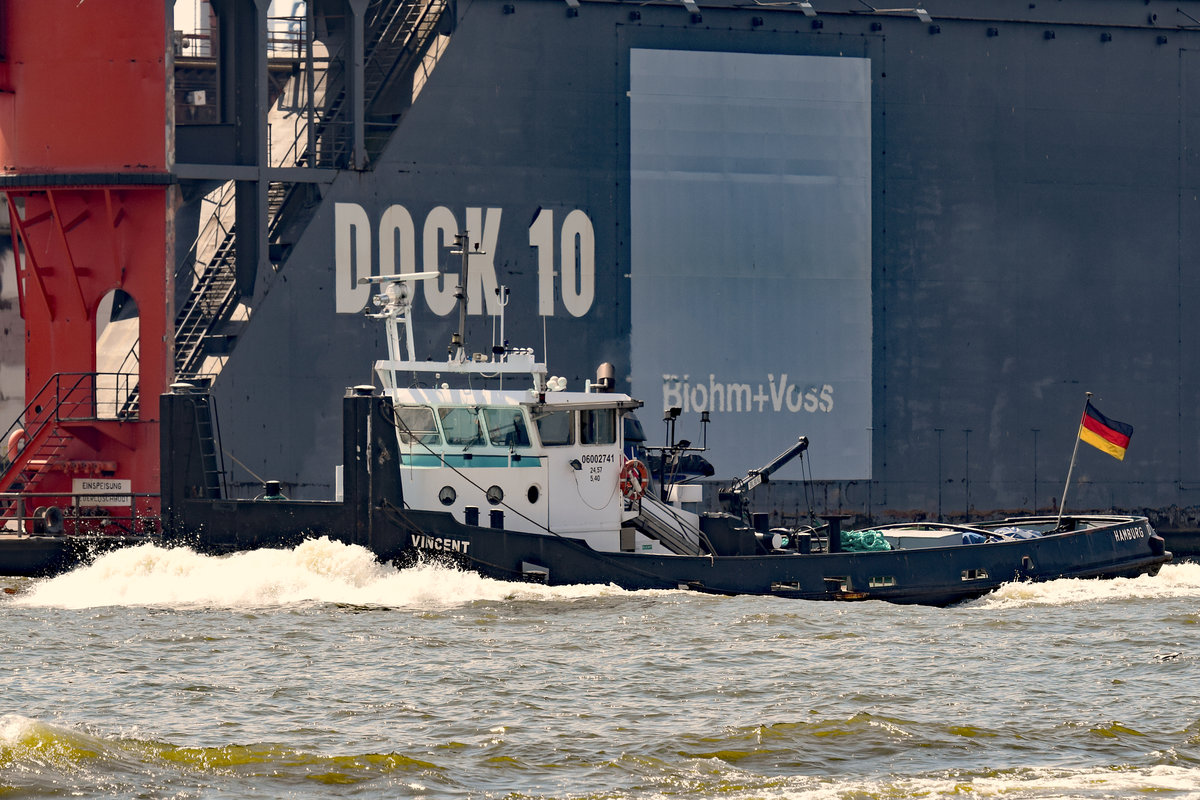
{"type": "Point", "coordinates": [933, 576]}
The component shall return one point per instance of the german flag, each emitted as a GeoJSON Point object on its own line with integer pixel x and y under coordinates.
{"type": "Point", "coordinates": [1103, 433]}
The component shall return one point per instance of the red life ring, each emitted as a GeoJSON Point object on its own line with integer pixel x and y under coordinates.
{"type": "Point", "coordinates": [16, 443]}
{"type": "Point", "coordinates": [635, 479]}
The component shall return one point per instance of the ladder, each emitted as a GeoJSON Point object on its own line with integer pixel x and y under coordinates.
{"type": "Point", "coordinates": [209, 452]}
{"type": "Point", "coordinates": [660, 522]}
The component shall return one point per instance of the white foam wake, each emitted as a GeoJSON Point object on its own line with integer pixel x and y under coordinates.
{"type": "Point", "coordinates": [318, 570]}
{"type": "Point", "coordinates": [325, 571]}
{"type": "Point", "coordinates": [1181, 579]}
{"type": "Point", "coordinates": [1031, 783]}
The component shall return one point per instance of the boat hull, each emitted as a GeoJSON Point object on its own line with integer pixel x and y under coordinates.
{"type": "Point", "coordinates": [1125, 547]}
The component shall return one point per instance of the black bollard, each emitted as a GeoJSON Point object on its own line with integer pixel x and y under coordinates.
{"type": "Point", "coordinates": [835, 530]}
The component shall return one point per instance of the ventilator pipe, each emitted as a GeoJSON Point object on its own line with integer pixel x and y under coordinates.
{"type": "Point", "coordinates": [605, 377]}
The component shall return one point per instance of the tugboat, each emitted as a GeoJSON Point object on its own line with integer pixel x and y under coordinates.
{"type": "Point", "coordinates": [526, 480]}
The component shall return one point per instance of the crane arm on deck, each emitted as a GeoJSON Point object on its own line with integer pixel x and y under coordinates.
{"type": "Point", "coordinates": [736, 493]}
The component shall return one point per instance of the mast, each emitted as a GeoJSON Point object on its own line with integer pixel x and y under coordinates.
{"type": "Point", "coordinates": [395, 305]}
{"type": "Point", "coordinates": [458, 341]}
{"type": "Point", "coordinates": [1063, 500]}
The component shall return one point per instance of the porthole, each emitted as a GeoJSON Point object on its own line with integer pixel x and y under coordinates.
{"type": "Point", "coordinates": [494, 495]}
{"type": "Point", "coordinates": [533, 494]}
{"type": "Point", "coordinates": [447, 495]}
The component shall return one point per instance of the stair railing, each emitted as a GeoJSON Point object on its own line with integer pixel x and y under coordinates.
{"type": "Point", "coordinates": [65, 397]}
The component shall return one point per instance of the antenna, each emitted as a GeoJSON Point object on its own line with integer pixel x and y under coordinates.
{"type": "Point", "coordinates": [500, 349]}
{"type": "Point", "coordinates": [394, 304]}
{"type": "Point", "coordinates": [458, 341]}
{"type": "Point", "coordinates": [502, 301]}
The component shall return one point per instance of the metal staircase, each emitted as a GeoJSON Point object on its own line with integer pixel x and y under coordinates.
{"type": "Point", "coordinates": [32, 462]}
{"type": "Point", "coordinates": [212, 300]}
{"type": "Point", "coordinates": [210, 305]}
{"type": "Point", "coordinates": [659, 521]}
{"type": "Point", "coordinates": [399, 32]}
{"type": "Point", "coordinates": [36, 440]}
{"type": "Point", "coordinates": [406, 30]}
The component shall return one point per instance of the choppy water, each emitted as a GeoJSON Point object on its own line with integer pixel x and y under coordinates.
{"type": "Point", "coordinates": [318, 673]}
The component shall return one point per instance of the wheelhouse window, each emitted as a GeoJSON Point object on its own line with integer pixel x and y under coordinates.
{"type": "Point", "coordinates": [555, 428]}
{"type": "Point", "coordinates": [506, 427]}
{"type": "Point", "coordinates": [416, 426]}
{"type": "Point", "coordinates": [598, 426]}
{"type": "Point", "coordinates": [461, 426]}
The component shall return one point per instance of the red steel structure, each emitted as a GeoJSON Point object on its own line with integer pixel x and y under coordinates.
{"type": "Point", "coordinates": [85, 165]}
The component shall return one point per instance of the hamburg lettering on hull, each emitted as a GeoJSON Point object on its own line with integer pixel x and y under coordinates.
{"type": "Point", "coordinates": [439, 544]}
{"type": "Point", "coordinates": [401, 248]}
{"type": "Point", "coordinates": [1130, 534]}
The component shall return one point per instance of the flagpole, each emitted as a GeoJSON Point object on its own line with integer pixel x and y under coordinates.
{"type": "Point", "coordinates": [1062, 500]}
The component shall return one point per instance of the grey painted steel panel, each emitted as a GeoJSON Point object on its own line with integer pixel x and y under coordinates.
{"type": "Point", "coordinates": [1032, 235]}
{"type": "Point", "coordinates": [751, 252]}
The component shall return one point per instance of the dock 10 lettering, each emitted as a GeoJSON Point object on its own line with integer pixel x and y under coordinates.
{"type": "Point", "coordinates": [401, 248]}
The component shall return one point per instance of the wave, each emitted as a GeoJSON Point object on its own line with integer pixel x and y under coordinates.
{"type": "Point", "coordinates": [41, 758]}
{"type": "Point", "coordinates": [315, 571]}
{"type": "Point", "coordinates": [50, 759]}
{"type": "Point", "coordinates": [1176, 580]}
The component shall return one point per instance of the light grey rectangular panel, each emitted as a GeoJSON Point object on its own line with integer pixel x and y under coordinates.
{"type": "Point", "coordinates": [751, 253]}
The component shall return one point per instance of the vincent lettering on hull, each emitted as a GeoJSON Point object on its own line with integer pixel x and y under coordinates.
{"type": "Point", "coordinates": [440, 544]}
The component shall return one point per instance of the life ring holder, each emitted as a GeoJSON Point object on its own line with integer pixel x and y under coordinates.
{"type": "Point", "coordinates": [17, 440]}
{"type": "Point", "coordinates": [635, 480]}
